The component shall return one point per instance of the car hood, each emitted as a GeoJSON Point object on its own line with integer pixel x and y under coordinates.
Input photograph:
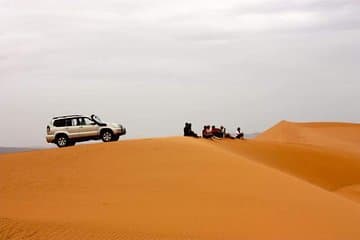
{"type": "Point", "coordinates": [114, 125]}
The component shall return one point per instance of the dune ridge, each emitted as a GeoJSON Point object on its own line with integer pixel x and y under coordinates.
{"type": "Point", "coordinates": [326, 154]}
{"type": "Point", "coordinates": [181, 188]}
{"type": "Point", "coordinates": [344, 137]}
{"type": "Point", "coordinates": [328, 169]}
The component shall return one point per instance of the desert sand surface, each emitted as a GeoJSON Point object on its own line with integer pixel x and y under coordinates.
{"type": "Point", "coordinates": [273, 187]}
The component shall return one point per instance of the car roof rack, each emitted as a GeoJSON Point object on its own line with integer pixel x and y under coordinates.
{"type": "Point", "coordinates": [67, 116]}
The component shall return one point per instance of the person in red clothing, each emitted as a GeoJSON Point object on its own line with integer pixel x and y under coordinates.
{"type": "Point", "coordinates": [207, 133]}
{"type": "Point", "coordinates": [216, 132]}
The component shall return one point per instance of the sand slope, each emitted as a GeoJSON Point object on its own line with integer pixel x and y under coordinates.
{"type": "Point", "coordinates": [329, 169]}
{"type": "Point", "coordinates": [170, 188]}
{"type": "Point", "coordinates": [325, 154]}
{"type": "Point", "coordinates": [339, 136]}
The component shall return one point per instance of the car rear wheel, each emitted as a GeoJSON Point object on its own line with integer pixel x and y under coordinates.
{"type": "Point", "coordinates": [107, 136]}
{"type": "Point", "coordinates": [62, 141]}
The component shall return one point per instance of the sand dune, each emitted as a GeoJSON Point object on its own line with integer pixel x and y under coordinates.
{"type": "Point", "coordinates": [174, 188]}
{"type": "Point", "coordinates": [339, 136]}
{"type": "Point", "coordinates": [325, 154]}
{"type": "Point", "coordinates": [328, 169]}
{"type": "Point", "coordinates": [351, 192]}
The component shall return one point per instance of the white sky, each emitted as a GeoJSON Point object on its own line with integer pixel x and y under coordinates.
{"type": "Point", "coordinates": [152, 65]}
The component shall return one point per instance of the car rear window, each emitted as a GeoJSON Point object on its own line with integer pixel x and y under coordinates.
{"type": "Point", "coordinates": [59, 123]}
{"type": "Point", "coordinates": [63, 122]}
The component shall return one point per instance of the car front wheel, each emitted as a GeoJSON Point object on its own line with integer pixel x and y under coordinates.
{"type": "Point", "coordinates": [107, 136]}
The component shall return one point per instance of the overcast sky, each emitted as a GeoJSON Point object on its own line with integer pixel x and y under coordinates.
{"type": "Point", "coordinates": [154, 64]}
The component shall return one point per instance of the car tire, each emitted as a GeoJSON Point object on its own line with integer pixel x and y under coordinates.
{"type": "Point", "coordinates": [62, 141]}
{"type": "Point", "coordinates": [107, 136]}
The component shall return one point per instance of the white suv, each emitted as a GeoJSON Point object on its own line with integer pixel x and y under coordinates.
{"type": "Point", "coordinates": [67, 130]}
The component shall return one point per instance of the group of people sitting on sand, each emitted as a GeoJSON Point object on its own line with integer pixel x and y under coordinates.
{"type": "Point", "coordinates": [213, 132]}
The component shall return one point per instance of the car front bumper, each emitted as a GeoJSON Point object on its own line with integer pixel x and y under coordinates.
{"type": "Point", "coordinates": [120, 131]}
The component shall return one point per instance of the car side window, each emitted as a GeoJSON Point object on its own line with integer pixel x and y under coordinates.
{"type": "Point", "coordinates": [88, 121]}
{"type": "Point", "coordinates": [81, 121]}
{"type": "Point", "coordinates": [74, 122]}
{"type": "Point", "coordinates": [68, 122]}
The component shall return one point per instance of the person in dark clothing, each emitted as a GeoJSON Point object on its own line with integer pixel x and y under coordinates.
{"type": "Point", "coordinates": [207, 133]}
{"type": "Point", "coordinates": [223, 131]}
{"type": "Point", "coordinates": [188, 132]}
{"type": "Point", "coordinates": [239, 134]}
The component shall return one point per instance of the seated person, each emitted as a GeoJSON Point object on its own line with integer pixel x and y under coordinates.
{"type": "Point", "coordinates": [223, 131]}
{"type": "Point", "coordinates": [207, 133]}
{"type": "Point", "coordinates": [227, 135]}
{"type": "Point", "coordinates": [216, 132]}
{"type": "Point", "coordinates": [188, 132]}
{"type": "Point", "coordinates": [239, 134]}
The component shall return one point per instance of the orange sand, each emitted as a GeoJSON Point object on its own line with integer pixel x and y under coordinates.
{"type": "Point", "coordinates": [184, 188]}
{"type": "Point", "coordinates": [339, 136]}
